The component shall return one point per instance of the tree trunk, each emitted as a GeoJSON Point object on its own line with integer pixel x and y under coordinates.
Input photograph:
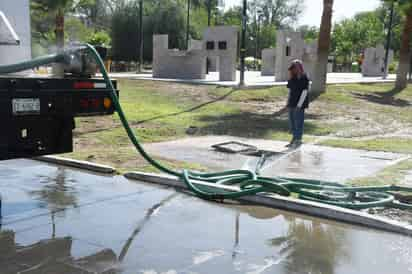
{"type": "Point", "coordinates": [321, 68]}
{"type": "Point", "coordinates": [58, 69]}
{"type": "Point", "coordinates": [60, 29]}
{"type": "Point", "coordinates": [404, 57]}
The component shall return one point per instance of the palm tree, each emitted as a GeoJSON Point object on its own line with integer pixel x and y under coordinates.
{"type": "Point", "coordinates": [320, 73]}
{"type": "Point", "coordinates": [57, 8]}
{"type": "Point", "coordinates": [57, 194]}
{"type": "Point", "coordinates": [404, 56]}
{"type": "Point", "coordinates": [311, 247]}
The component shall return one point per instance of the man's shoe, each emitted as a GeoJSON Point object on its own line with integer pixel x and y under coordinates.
{"type": "Point", "coordinates": [296, 144]}
{"type": "Point", "coordinates": [291, 143]}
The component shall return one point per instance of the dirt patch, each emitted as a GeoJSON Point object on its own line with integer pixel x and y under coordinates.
{"type": "Point", "coordinates": [403, 216]}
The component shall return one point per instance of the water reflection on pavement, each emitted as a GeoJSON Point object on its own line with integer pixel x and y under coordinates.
{"type": "Point", "coordinates": [59, 220]}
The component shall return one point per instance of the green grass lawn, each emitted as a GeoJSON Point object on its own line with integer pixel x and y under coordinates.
{"type": "Point", "coordinates": [399, 145]}
{"type": "Point", "coordinates": [391, 175]}
{"type": "Point", "coordinates": [160, 111]}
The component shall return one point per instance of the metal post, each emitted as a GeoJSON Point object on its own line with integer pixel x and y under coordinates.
{"type": "Point", "coordinates": [209, 18]}
{"type": "Point", "coordinates": [388, 41]}
{"type": "Point", "coordinates": [256, 50]}
{"type": "Point", "coordinates": [141, 35]}
{"type": "Point", "coordinates": [209, 12]}
{"type": "Point", "coordinates": [243, 44]}
{"type": "Point", "coordinates": [257, 42]}
{"type": "Point", "coordinates": [188, 24]}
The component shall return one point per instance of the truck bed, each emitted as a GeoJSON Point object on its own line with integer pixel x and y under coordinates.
{"type": "Point", "coordinates": [38, 113]}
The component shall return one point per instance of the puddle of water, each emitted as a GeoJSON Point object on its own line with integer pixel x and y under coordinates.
{"type": "Point", "coordinates": [109, 222]}
{"type": "Point", "coordinates": [314, 162]}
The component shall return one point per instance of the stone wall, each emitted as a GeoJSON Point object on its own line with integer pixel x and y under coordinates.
{"type": "Point", "coordinates": [177, 64]}
{"type": "Point", "coordinates": [268, 62]}
{"type": "Point", "coordinates": [289, 46]}
{"type": "Point", "coordinates": [309, 58]}
{"type": "Point", "coordinates": [374, 62]}
{"type": "Point", "coordinates": [221, 44]}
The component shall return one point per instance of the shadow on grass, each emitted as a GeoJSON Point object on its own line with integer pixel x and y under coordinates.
{"type": "Point", "coordinates": [248, 124]}
{"type": "Point", "coordinates": [384, 98]}
{"type": "Point", "coordinates": [191, 109]}
{"type": "Point", "coordinates": [241, 124]}
{"type": "Point", "coordinates": [313, 96]}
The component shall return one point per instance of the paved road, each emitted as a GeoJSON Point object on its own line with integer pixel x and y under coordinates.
{"type": "Point", "coordinates": [254, 79]}
{"type": "Point", "coordinates": [96, 223]}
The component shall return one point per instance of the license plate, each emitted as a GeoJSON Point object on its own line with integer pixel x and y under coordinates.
{"type": "Point", "coordinates": [26, 106]}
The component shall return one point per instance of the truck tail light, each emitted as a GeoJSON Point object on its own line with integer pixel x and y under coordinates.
{"type": "Point", "coordinates": [88, 85]}
{"type": "Point", "coordinates": [107, 103]}
{"type": "Point", "coordinates": [90, 103]}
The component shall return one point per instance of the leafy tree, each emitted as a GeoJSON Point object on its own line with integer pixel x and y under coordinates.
{"type": "Point", "coordinates": [58, 9]}
{"type": "Point", "coordinates": [76, 30]}
{"type": "Point", "coordinates": [405, 50]}
{"type": "Point", "coordinates": [41, 30]}
{"type": "Point", "coordinates": [125, 34]}
{"type": "Point", "coordinates": [352, 36]}
{"type": "Point", "coordinates": [97, 13]}
{"type": "Point", "coordinates": [161, 17]}
{"type": "Point", "coordinates": [383, 13]}
{"type": "Point", "coordinates": [298, 249]}
{"type": "Point", "coordinates": [344, 38]}
{"type": "Point", "coordinates": [100, 38]}
{"type": "Point", "coordinates": [310, 33]}
{"type": "Point", "coordinates": [232, 17]}
{"type": "Point", "coordinates": [267, 36]}
{"type": "Point", "coordinates": [280, 13]}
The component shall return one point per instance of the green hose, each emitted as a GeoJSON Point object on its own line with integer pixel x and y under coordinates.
{"type": "Point", "coordinates": [249, 182]}
{"type": "Point", "coordinates": [37, 62]}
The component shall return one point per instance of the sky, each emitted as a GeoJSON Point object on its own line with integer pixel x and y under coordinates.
{"type": "Point", "coordinates": [313, 9]}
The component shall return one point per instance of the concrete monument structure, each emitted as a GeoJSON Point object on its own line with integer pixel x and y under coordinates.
{"type": "Point", "coordinates": [177, 64]}
{"type": "Point", "coordinates": [289, 46]}
{"type": "Point", "coordinates": [268, 62]}
{"type": "Point", "coordinates": [309, 58]}
{"type": "Point", "coordinates": [219, 44]}
{"type": "Point", "coordinates": [374, 61]}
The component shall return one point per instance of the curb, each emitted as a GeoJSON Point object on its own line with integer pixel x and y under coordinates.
{"type": "Point", "coordinates": [300, 206]}
{"type": "Point", "coordinates": [76, 164]}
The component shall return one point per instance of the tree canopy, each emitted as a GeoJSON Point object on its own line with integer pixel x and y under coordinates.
{"type": "Point", "coordinates": [100, 21]}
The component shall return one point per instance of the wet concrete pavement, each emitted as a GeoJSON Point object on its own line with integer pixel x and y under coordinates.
{"type": "Point", "coordinates": [316, 162]}
{"type": "Point", "coordinates": [150, 229]}
{"type": "Point", "coordinates": [408, 178]}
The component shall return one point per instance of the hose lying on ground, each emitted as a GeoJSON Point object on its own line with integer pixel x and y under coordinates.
{"type": "Point", "coordinates": [249, 182]}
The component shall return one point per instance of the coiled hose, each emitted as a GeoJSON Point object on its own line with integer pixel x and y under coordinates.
{"type": "Point", "coordinates": [249, 182]}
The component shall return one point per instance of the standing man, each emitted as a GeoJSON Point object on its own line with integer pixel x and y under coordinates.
{"type": "Point", "coordinates": [298, 101]}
